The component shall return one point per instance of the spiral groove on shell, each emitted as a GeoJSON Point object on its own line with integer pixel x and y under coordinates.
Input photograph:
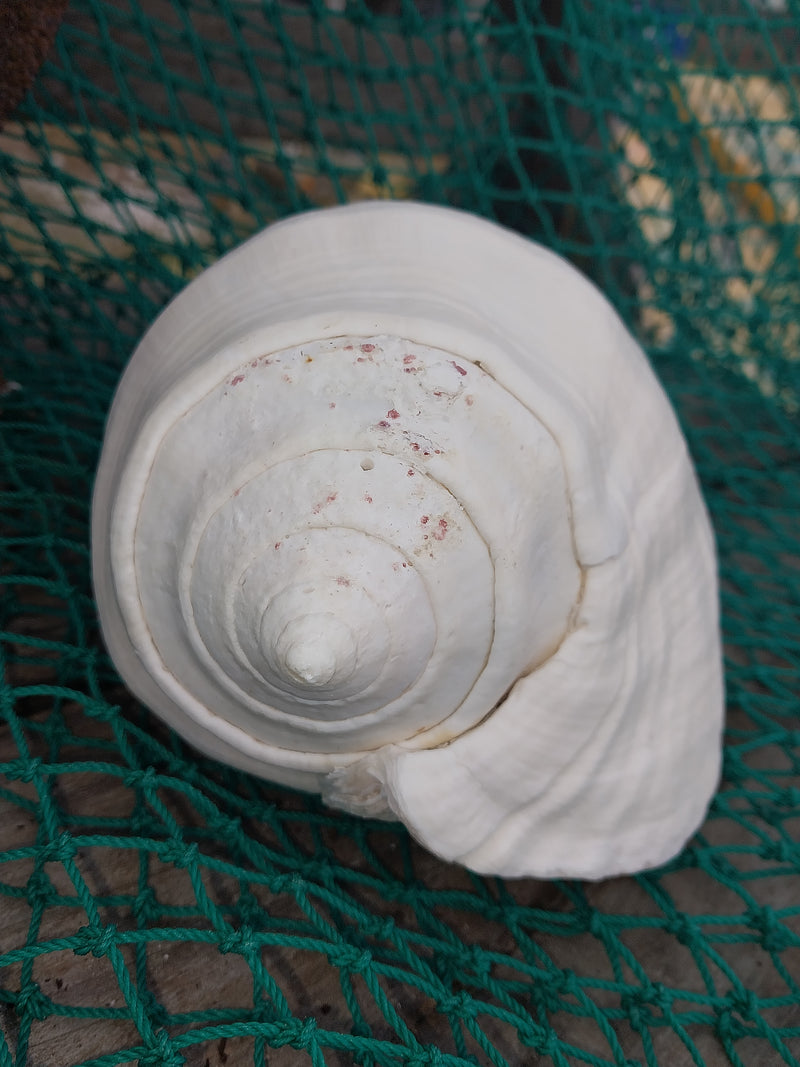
{"type": "Point", "coordinates": [351, 512]}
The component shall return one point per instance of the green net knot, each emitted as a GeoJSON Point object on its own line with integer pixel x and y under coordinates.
{"type": "Point", "coordinates": [775, 937]}
{"type": "Point", "coordinates": [544, 1041]}
{"type": "Point", "coordinates": [638, 1005]}
{"type": "Point", "coordinates": [299, 1034]}
{"type": "Point", "coordinates": [744, 1002]}
{"type": "Point", "coordinates": [39, 890]}
{"type": "Point", "coordinates": [683, 931]}
{"type": "Point", "coordinates": [242, 941]}
{"type": "Point", "coordinates": [781, 851]}
{"type": "Point", "coordinates": [592, 922]}
{"type": "Point", "coordinates": [350, 959]}
{"type": "Point", "coordinates": [137, 778]}
{"type": "Point", "coordinates": [227, 827]}
{"type": "Point", "coordinates": [381, 927]}
{"type": "Point", "coordinates": [426, 1057]}
{"type": "Point", "coordinates": [32, 1002]}
{"type": "Point", "coordinates": [729, 1028]}
{"type": "Point", "coordinates": [552, 989]}
{"type": "Point", "coordinates": [59, 851]}
{"type": "Point", "coordinates": [99, 940]}
{"type": "Point", "coordinates": [179, 854]}
{"type": "Point", "coordinates": [100, 710]}
{"type": "Point", "coordinates": [287, 883]}
{"type": "Point", "coordinates": [161, 1053]}
{"type": "Point", "coordinates": [23, 770]}
{"type": "Point", "coordinates": [459, 1006]}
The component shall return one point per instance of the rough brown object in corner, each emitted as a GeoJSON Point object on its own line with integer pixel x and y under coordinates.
{"type": "Point", "coordinates": [28, 30]}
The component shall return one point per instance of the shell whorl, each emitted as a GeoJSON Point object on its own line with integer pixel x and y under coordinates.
{"type": "Point", "coordinates": [332, 528]}
{"type": "Point", "coordinates": [371, 519]}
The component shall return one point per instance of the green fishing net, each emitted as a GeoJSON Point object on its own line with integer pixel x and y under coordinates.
{"type": "Point", "coordinates": [157, 908]}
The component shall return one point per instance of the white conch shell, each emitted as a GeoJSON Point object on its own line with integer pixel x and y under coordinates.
{"type": "Point", "coordinates": [391, 507]}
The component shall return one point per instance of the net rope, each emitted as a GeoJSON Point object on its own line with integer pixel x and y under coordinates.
{"type": "Point", "coordinates": [657, 145]}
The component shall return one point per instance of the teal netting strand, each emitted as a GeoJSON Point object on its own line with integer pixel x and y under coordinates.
{"type": "Point", "coordinates": [162, 910]}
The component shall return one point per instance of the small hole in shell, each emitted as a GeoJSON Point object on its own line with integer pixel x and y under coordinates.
{"type": "Point", "coordinates": [367, 464]}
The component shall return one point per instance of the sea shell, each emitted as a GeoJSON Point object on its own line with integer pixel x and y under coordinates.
{"type": "Point", "coordinates": [391, 507]}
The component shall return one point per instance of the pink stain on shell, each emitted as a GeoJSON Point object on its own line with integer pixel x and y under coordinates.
{"type": "Point", "coordinates": [458, 367]}
{"type": "Point", "coordinates": [368, 348]}
{"type": "Point", "coordinates": [237, 379]}
{"type": "Point", "coordinates": [329, 499]}
{"type": "Point", "coordinates": [440, 532]}
{"type": "Point", "coordinates": [392, 414]}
